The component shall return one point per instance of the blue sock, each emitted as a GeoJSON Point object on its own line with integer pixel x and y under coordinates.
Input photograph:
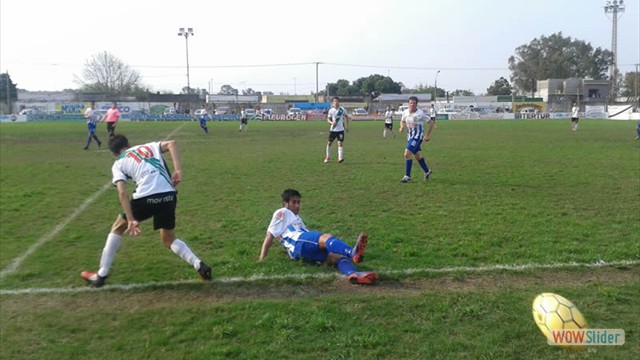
{"type": "Point", "coordinates": [88, 141]}
{"type": "Point", "coordinates": [423, 165]}
{"type": "Point", "coordinates": [345, 266]}
{"type": "Point", "coordinates": [337, 246]}
{"type": "Point", "coordinates": [408, 165]}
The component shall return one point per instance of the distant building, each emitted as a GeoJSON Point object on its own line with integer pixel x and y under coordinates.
{"type": "Point", "coordinates": [560, 94]}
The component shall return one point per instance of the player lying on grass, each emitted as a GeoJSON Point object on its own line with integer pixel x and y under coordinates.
{"type": "Point", "coordinates": [314, 246]}
{"type": "Point", "coordinates": [155, 196]}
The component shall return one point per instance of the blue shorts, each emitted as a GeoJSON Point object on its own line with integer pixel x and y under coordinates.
{"type": "Point", "coordinates": [92, 129]}
{"type": "Point", "coordinates": [306, 247]}
{"type": "Point", "coordinates": [203, 122]}
{"type": "Point", "coordinates": [413, 145]}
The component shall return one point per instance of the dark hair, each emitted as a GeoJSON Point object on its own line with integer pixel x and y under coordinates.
{"type": "Point", "coordinates": [289, 194]}
{"type": "Point", "coordinates": [118, 143]}
{"type": "Point", "coordinates": [335, 98]}
{"type": "Point", "coordinates": [414, 98]}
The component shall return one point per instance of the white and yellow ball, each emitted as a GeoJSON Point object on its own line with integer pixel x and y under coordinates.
{"type": "Point", "coordinates": [554, 312]}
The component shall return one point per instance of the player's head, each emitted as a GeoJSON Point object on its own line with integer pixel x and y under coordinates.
{"type": "Point", "coordinates": [413, 103]}
{"type": "Point", "coordinates": [291, 200]}
{"type": "Point", "coordinates": [92, 104]}
{"type": "Point", "coordinates": [336, 102]}
{"type": "Point", "coordinates": [388, 107]}
{"type": "Point", "coordinates": [114, 105]}
{"type": "Point", "coordinates": [118, 143]}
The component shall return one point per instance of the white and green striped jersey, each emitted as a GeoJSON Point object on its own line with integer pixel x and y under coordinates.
{"type": "Point", "coordinates": [339, 116]}
{"type": "Point", "coordinates": [146, 167]}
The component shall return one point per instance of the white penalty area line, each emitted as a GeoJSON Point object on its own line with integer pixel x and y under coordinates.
{"type": "Point", "coordinates": [262, 277]}
{"type": "Point", "coordinates": [15, 263]}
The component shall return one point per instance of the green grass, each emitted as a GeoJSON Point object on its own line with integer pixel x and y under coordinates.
{"type": "Point", "coordinates": [502, 192]}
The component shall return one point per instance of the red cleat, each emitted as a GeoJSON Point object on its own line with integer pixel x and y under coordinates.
{"type": "Point", "coordinates": [363, 278]}
{"type": "Point", "coordinates": [358, 250]}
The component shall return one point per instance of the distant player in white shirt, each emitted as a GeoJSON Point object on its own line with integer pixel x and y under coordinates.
{"type": "Point", "coordinates": [432, 113]}
{"type": "Point", "coordinates": [414, 120]}
{"type": "Point", "coordinates": [155, 197]}
{"type": "Point", "coordinates": [388, 122]}
{"type": "Point", "coordinates": [338, 118]}
{"type": "Point", "coordinates": [575, 116]}
{"type": "Point", "coordinates": [313, 246]}
{"type": "Point", "coordinates": [92, 116]}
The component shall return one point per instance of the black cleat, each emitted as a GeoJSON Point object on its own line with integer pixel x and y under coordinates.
{"type": "Point", "coordinates": [204, 271]}
{"type": "Point", "coordinates": [93, 278]}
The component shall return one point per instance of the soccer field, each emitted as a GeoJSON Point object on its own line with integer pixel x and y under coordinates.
{"type": "Point", "coordinates": [513, 208]}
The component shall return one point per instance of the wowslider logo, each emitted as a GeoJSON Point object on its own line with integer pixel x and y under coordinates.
{"type": "Point", "coordinates": [586, 337]}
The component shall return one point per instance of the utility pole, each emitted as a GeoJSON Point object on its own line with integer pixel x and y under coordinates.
{"type": "Point", "coordinates": [635, 89]}
{"type": "Point", "coordinates": [317, 81]}
{"type": "Point", "coordinates": [615, 8]}
{"type": "Point", "coordinates": [8, 93]}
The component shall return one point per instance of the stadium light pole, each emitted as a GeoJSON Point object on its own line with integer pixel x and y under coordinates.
{"type": "Point", "coordinates": [435, 92]}
{"type": "Point", "coordinates": [614, 7]}
{"type": "Point", "coordinates": [186, 34]}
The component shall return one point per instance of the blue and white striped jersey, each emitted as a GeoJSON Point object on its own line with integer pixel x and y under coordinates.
{"type": "Point", "coordinates": [415, 123]}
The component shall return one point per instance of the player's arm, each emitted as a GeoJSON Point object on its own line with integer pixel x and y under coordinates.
{"type": "Point", "coordinates": [402, 124]}
{"type": "Point", "coordinates": [329, 119]}
{"type": "Point", "coordinates": [427, 135]}
{"type": "Point", "coordinates": [347, 119]}
{"type": "Point", "coordinates": [123, 196]}
{"type": "Point", "coordinates": [266, 244]}
{"type": "Point", "coordinates": [172, 148]}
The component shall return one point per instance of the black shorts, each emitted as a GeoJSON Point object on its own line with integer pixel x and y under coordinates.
{"type": "Point", "coordinates": [336, 134]}
{"type": "Point", "coordinates": [111, 127]}
{"type": "Point", "coordinates": [433, 119]}
{"type": "Point", "coordinates": [244, 121]}
{"type": "Point", "coordinates": [161, 206]}
{"type": "Point", "coordinates": [388, 126]}
{"type": "Point", "coordinates": [574, 120]}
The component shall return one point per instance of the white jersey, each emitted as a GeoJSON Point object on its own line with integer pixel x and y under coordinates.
{"type": "Point", "coordinates": [286, 224]}
{"type": "Point", "coordinates": [338, 115]}
{"type": "Point", "coordinates": [388, 117]}
{"type": "Point", "coordinates": [415, 123]}
{"type": "Point", "coordinates": [146, 167]}
{"type": "Point", "coordinates": [92, 116]}
{"type": "Point", "coordinates": [575, 112]}
{"type": "Point", "coordinates": [432, 112]}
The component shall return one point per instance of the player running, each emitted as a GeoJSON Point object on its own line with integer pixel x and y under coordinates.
{"type": "Point", "coordinates": [155, 196]}
{"type": "Point", "coordinates": [413, 119]}
{"type": "Point", "coordinates": [203, 119]}
{"type": "Point", "coordinates": [92, 116]}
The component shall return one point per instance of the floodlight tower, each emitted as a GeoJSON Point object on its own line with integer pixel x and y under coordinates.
{"type": "Point", "coordinates": [615, 8]}
{"type": "Point", "coordinates": [186, 34]}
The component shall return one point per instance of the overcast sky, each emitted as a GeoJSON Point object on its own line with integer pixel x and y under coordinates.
{"type": "Point", "coordinates": [43, 44]}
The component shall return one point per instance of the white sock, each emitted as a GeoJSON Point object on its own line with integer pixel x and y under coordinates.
{"type": "Point", "coordinates": [109, 253]}
{"type": "Point", "coordinates": [340, 153]}
{"type": "Point", "coordinates": [328, 151]}
{"type": "Point", "coordinates": [181, 249]}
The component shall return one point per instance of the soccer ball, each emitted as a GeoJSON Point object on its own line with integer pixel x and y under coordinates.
{"type": "Point", "coordinates": [554, 312]}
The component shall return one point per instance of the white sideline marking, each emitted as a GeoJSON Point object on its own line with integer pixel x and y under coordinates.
{"type": "Point", "coordinates": [15, 263]}
{"type": "Point", "coordinates": [261, 277]}
{"type": "Point", "coordinates": [18, 261]}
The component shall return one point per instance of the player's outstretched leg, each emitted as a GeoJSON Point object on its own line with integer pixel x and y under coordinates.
{"type": "Point", "coordinates": [356, 277]}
